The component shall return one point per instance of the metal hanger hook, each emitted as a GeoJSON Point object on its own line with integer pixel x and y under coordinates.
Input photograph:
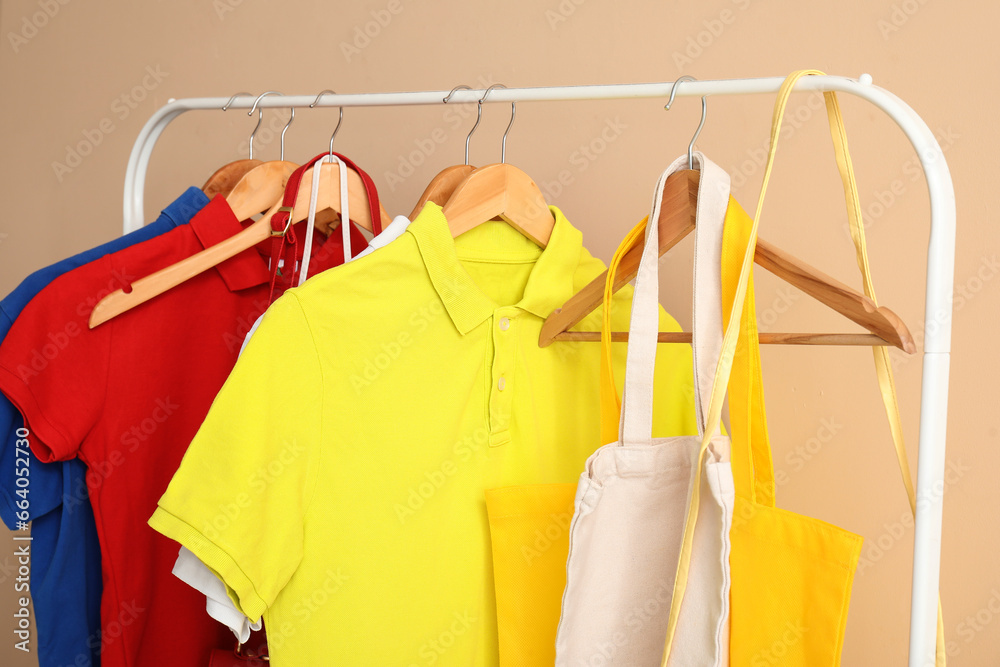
{"type": "Point", "coordinates": [285, 129]}
{"type": "Point", "coordinates": [486, 94]}
{"type": "Point", "coordinates": [479, 118]}
{"type": "Point", "coordinates": [225, 107]}
{"type": "Point", "coordinates": [445, 100]}
{"type": "Point", "coordinates": [503, 142]}
{"type": "Point", "coordinates": [260, 116]}
{"type": "Point", "coordinates": [704, 114]}
{"type": "Point", "coordinates": [339, 122]}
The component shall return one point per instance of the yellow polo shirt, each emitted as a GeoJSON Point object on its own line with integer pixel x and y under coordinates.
{"type": "Point", "coordinates": [337, 484]}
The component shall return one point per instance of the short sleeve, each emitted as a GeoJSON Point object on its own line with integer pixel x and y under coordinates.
{"type": "Point", "coordinates": [238, 499]}
{"type": "Point", "coordinates": [45, 486]}
{"type": "Point", "coordinates": [54, 368]}
{"type": "Point", "coordinates": [46, 480]}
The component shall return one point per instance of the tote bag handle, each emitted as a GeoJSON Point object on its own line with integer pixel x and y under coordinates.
{"type": "Point", "coordinates": [883, 368]}
{"type": "Point", "coordinates": [761, 481]}
{"type": "Point", "coordinates": [636, 425]}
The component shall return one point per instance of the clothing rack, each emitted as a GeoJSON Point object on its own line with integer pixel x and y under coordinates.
{"type": "Point", "coordinates": [940, 260]}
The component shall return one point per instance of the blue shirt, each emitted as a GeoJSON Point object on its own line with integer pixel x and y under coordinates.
{"type": "Point", "coordinates": [65, 553]}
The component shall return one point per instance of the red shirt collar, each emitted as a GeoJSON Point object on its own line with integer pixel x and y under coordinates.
{"type": "Point", "coordinates": [217, 222]}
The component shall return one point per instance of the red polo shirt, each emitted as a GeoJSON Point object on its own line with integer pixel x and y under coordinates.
{"type": "Point", "coordinates": [127, 398]}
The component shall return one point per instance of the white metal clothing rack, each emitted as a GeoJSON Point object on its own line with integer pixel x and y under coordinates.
{"type": "Point", "coordinates": [940, 262]}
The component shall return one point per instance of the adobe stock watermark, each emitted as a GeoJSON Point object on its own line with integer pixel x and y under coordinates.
{"type": "Point", "coordinates": [912, 171]}
{"type": "Point", "coordinates": [797, 460]}
{"type": "Point", "coordinates": [562, 12]}
{"type": "Point", "coordinates": [234, 339]}
{"type": "Point", "coordinates": [547, 536]}
{"type": "Point", "coordinates": [131, 439]}
{"type": "Point", "coordinates": [966, 291]}
{"type": "Point", "coordinates": [50, 347]}
{"type": "Point", "coordinates": [972, 625]}
{"type": "Point", "coordinates": [894, 532]}
{"type": "Point", "coordinates": [783, 301]}
{"type": "Point", "coordinates": [8, 569]}
{"type": "Point", "coordinates": [32, 24]}
{"type": "Point", "coordinates": [584, 156]}
{"type": "Point", "coordinates": [111, 631]}
{"type": "Point", "coordinates": [776, 652]}
{"type": "Point", "coordinates": [373, 365]}
{"type": "Point", "coordinates": [121, 107]}
{"type": "Point", "coordinates": [61, 337]}
{"type": "Point", "coordinates": [307, 605]}
{"type": "Point", "coordinates": [22, 471]}
{"type": "Point", "coordinates": [899, 16]}
{"type": "Point", "coordinates": [434, 648]}
{"type": "Point", "coordinates": [794, 119]}
{"type": "Point", "coordinates": [223, 7]}
{"type": "Point", "coordinates": [455, 116]}
{"type": "Point", "coordinates": [22, 617]}
{"type": "Point", "coordinates": [635, 620]}
{"type": "Point", "coordinates": [269, 131]}
{"type": "Point", "coordinates": [802, 454]}
{"type": "Point", "coordinates": [462, 451]}
{"type": "Point", "coordinates": [712, 29]}
{"type": "Point", "coordinates": [366, 33]}
{"type": "Point", "coordinates": [257, 483]}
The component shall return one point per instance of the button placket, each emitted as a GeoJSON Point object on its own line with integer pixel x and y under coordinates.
{"type": "Point", "coordinates": [501, 396]}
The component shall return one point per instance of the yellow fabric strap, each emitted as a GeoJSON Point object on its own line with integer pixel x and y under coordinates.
{"type": "Point", "coordinates": [720, 382]}
{"type": "Point", "coordinates": [753, 470]}
{"type": "Point", "coordinates": [611, 404]}
{"type": "Point", "coordinates": [883, 366]}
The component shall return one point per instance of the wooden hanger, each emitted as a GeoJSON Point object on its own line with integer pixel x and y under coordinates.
{"type": "Point", "coordinates": [260, 188]}
{"type": "Point", "coordinates": [442, 186]}
{"type": "Point", "coordinates": [499, 191]}
{"type": "Point", "coordinates": [677, 219]}
{"type": "Point", "coordinates": [328, 197]}
{"type": "Point", "coordinates": [226, 177]}
{"type": "Point", "coordinates": [165, 279]}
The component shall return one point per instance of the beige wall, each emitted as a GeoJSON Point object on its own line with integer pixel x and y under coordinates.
{"type": "Point", "coordinates": [63, 79]}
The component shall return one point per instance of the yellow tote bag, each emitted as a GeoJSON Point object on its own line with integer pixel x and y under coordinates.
{"type": "Point", "coordinates": [529, 529]}
{"type": "Point", "coordinates": [753, 472]}
{"type": "Point", "coordinates": [791, 575]}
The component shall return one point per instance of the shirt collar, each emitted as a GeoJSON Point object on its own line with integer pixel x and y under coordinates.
{"type": "Point", "coordinates": [217, 222]}
{"type": "Point", "coordinates": [185, 207]}
{"type": "Point", "coordinates": [549, 285]}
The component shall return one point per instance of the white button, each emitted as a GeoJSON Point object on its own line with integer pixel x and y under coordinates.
{"type": "Point", "coordinates": [504, 323]}
{"type": "Point", "coordinates": [502, 384]}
